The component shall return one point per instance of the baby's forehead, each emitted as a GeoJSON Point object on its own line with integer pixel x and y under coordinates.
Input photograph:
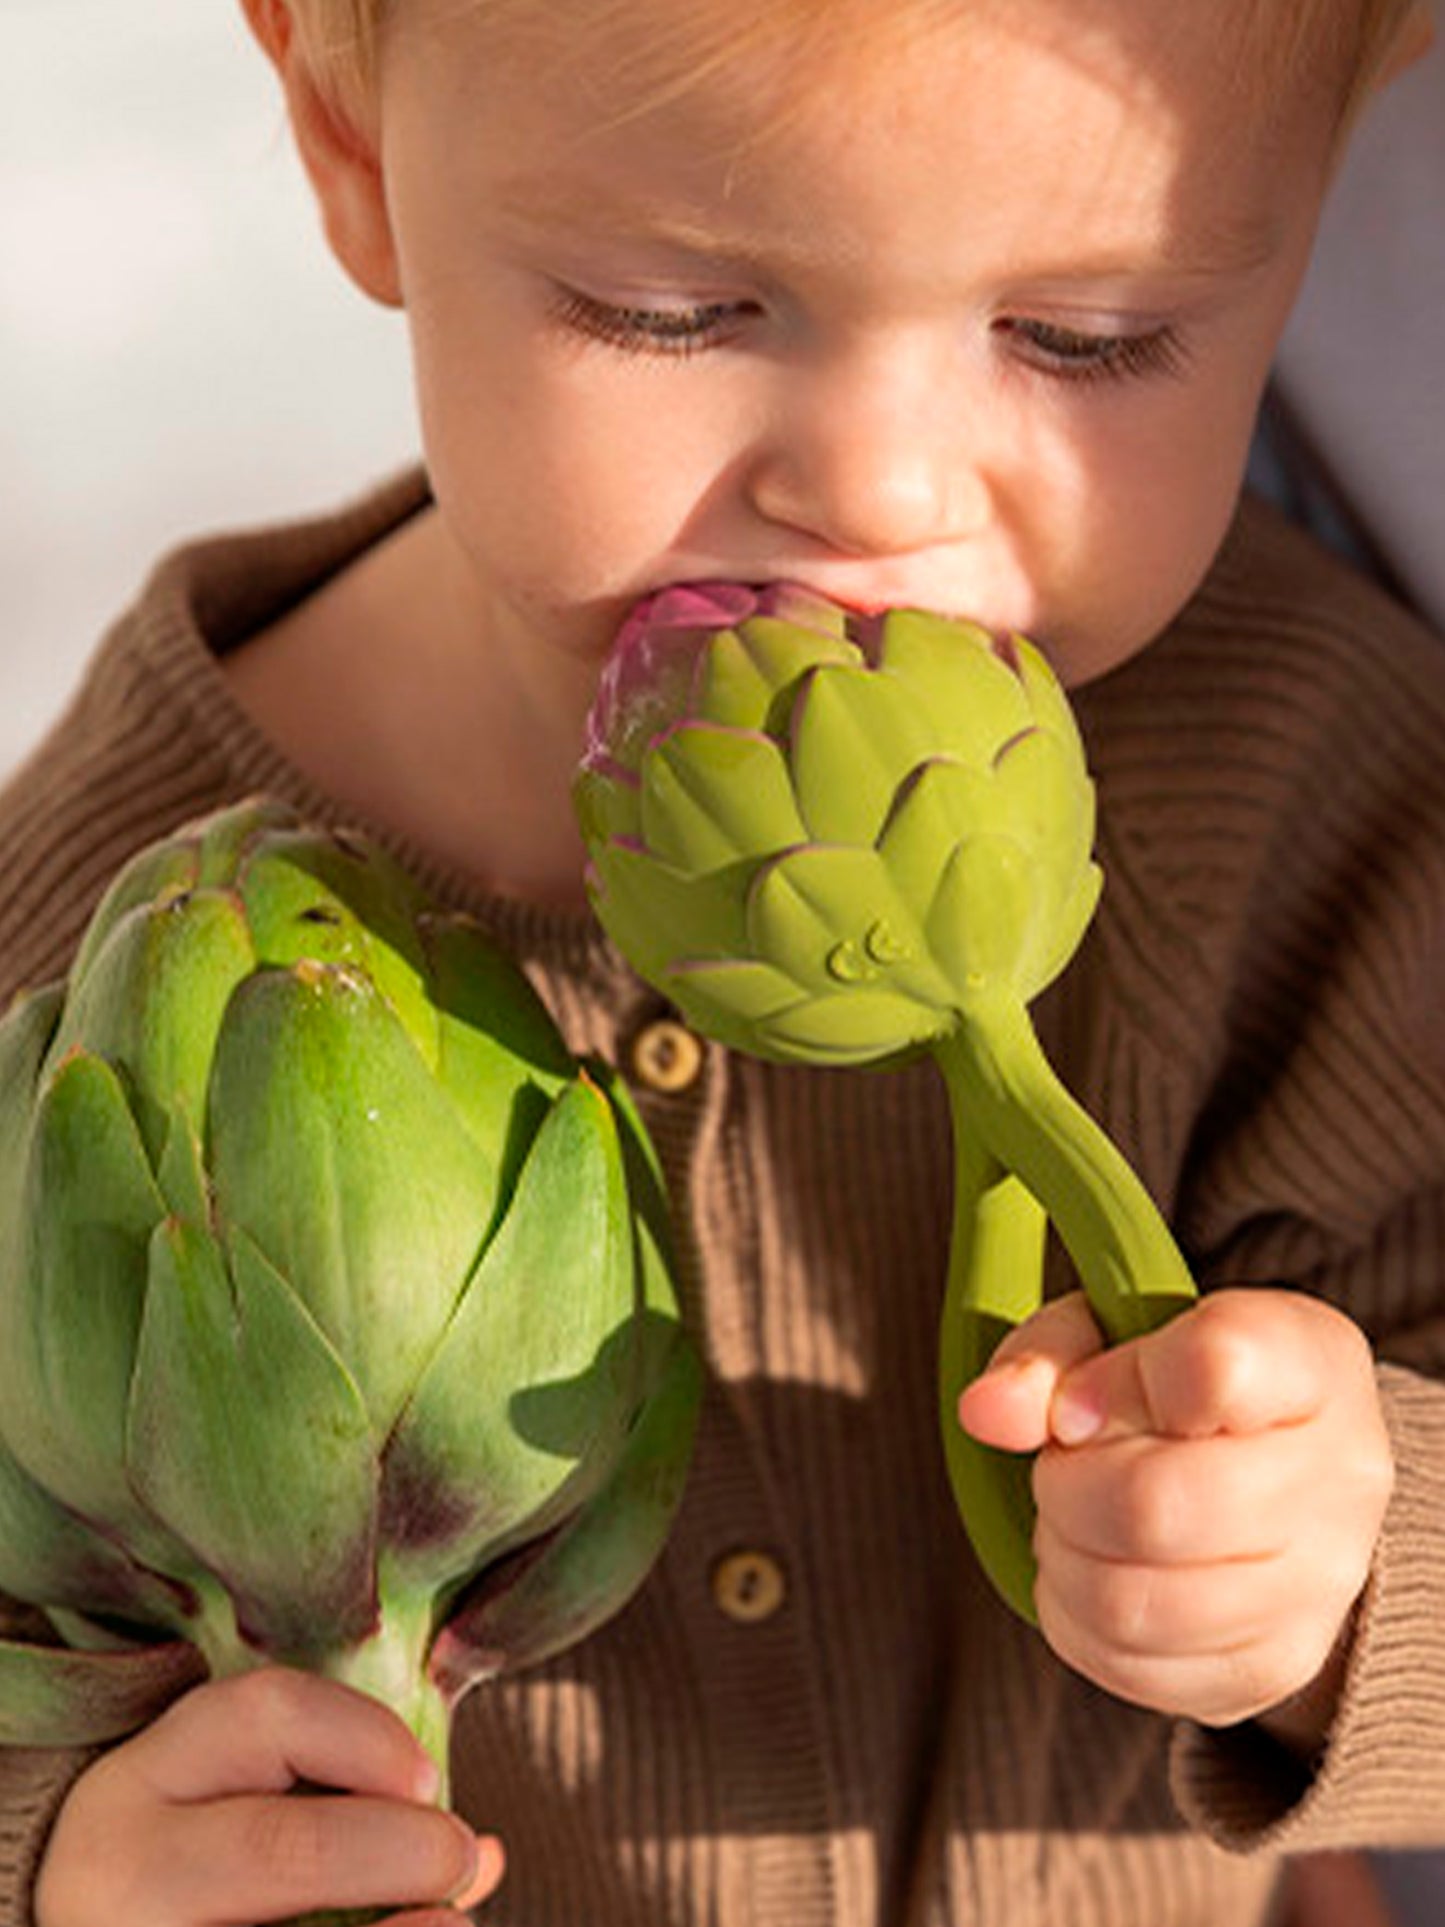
{"type": "Point", "coordinates": [1228, 65]}
{"type": "Point", "coordinates": [1244, 54]}
{"type": "Point", "coordinates": [1255, 65]}
{"type": "Point", "coordinates": [988, 146]}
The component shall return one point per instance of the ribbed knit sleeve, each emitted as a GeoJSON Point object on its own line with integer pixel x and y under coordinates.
{"type": "Point", "coordinates": [1254, 1017]}
{"type": "Point", "coordinates": [33, 1784]}
{"type": "Point", "coordinates": [1274, 789]}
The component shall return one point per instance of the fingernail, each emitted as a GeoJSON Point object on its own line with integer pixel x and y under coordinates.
{"type": "Point", "coordinates": [1074, 1417]}
{"type": "Point", "coordinates": [428, 1781]}
{"type": "Point", "coordinates": [490, 1860]}
{"type": "Point", "coordinates": [1018, 1371]}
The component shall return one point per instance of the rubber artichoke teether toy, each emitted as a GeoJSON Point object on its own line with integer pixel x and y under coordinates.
{"type": "Point", "coordinates": [336, 1322]}
{"type": "Point", "coordinates": [843, 839]}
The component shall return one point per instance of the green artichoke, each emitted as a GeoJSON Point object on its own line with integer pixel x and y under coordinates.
{"type": "Point", "coordinates": [836, 838]}
{"type": "Point", "coordinates": [336, 1320]}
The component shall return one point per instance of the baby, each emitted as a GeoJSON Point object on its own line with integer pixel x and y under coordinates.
{"type": "Point", "coordinates": [965, 304]}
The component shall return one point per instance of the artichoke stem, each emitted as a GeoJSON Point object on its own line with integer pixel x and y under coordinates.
{"type": "Point", "coordinates": [211, 1628]}
{"type": "Point", "coordinates": [995, 1279]}
{"type": "Point", "coordinates": [1007, 1094]}
{"type": "Point", "coordinates": [390, 1665]}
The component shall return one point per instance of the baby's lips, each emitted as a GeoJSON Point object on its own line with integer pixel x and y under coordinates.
{"type": "Point", "coordinates": [689, 605]}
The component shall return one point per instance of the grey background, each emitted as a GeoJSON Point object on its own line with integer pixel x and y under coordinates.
{"type": "Point", "coordinates": [178, 352]}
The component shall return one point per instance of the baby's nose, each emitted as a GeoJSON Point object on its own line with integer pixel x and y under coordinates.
{"type": "Point", "coordinates": [872, 469]}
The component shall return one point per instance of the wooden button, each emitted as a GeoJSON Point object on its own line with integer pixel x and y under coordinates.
{"type": "Point", "coordinates": [666, 1056]}
{"type": "Point", "coordinates": [749, 1586]}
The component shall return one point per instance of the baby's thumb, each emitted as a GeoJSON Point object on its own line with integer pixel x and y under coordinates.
{"type": "Point", "coordinates": [1008, 1405]}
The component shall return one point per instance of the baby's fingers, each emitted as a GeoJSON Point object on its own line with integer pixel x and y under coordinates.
{"type": "Point", "coordinates": [290, 1854]}
{"type": "Point", "coordinates": [202, 1820]}
{"type": "Point", "coordinates": [266, 1730]}
{"type": "Point", "coordinates": [491, 1864]}
{"type": "Point", "coordinates": [1178, 1502]}
{"type": "Point", "coordinates": [1150, 1639]}
{"type": "Point", "coordinates": [1237, 1362]}
{"type": "Point", "coordinates": [1008, 1406]}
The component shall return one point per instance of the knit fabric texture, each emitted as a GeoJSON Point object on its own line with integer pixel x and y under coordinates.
{"type": "Point", "coordinates": [1257, 1017]}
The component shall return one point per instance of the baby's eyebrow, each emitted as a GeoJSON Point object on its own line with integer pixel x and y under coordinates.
{"type": "Point", "coordinates": [1216, 244]}
{"type": "Point", "coordinates": [595, 216]}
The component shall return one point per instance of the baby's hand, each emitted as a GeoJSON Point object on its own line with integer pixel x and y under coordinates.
{"type": "Point", "coordinates": [191, 1823]}
{"type": "Point", "coordinates": [1209, 1498]}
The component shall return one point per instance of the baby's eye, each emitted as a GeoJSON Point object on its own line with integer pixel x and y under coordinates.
{"type": "Point", "coordinates": [1072, 354]}
{"type": "Point", "coordinates": [650, 331]}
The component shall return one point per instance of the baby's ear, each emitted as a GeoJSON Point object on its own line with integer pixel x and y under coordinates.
{"type": "Point", "coordinates": [340, 158]}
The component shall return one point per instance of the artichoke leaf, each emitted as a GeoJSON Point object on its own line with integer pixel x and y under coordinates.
{"type": "Point", "coordinates": [309, 898]}
{"type": "Point", "coordinates": [182, 1174]}
{"type": "Point", "coordinates": [72, 1307]}
{"type": "Point", "coordinates": [221, 838]}
{"type": "Point", "coordinates": [25, 1034]}
{"type": "Point", "coordinates": [854, 736]}
{"type": "Point", "coordinates": [736, 988]}
{"type": "Point", "coordinates": [49, 1556]}
{"type": "Point", "coordinates": [1051, 706]}
{"type": "Point", "coordinates": [1045, 800]}
{"type": "Point", "coordinates": [857, 1026]}
{"type": "Point", "coordinates": [983, 918]}
{"type": "Point", "coordinates": [153, 1000]}
{"type": "Point", "coordinates": [657, 914]}
{"type": "Point", "coordinates": [711, 794]}
{"type": "Point", "coordinates": [588, 1569]}
{"type": "Point", "coordinates": [50, 1696]}
{"type": "Point", "coordinates": [655, 1256]}
{"type": "Point", "coordinates": [157, 874]}
{"type": "Point", "coordinates": [784, 650]}
{"type": "Point", "coordinates": [1074, 917]}
{"type": "Point", "coordinates": [249, 1440]}
{"type": "Point", "coordinates": [953, 671]}
{"type": "Point", "coordinates": [730, 687]}
{"type": "Point", "coordinates": [942, 801]}
{"type": "Point", "coordinates": [830, 916]}
{"type": "Point", "coordinates": [607, 804]}
{"type": "Point", "coordinates": [332, 1144]}
{"type": "Point", "coordinates": [536, 1376]}
{"type": "Point", "coordinates": [500, 1059]}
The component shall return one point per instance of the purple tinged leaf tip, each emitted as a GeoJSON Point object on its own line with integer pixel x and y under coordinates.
{"type": "Point", "coordinates": [651, 666]}
{"type": "Point", "coordinates": [647, 683]}
{"type": "Point", "coordinates": [1006, 648]}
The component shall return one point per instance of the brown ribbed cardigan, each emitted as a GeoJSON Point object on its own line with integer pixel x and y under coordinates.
{"type": "Point", "coordinates": [1255, 1016]}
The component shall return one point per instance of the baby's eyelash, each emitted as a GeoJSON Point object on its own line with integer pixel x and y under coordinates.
{"type": "Point", "coordinates": [1065, 354]}
{"type": "Point", "coordinates": [1070, 354]}
{"type": "Point", "coordinates": [647, 331]}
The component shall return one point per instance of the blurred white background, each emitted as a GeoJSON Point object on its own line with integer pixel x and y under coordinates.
{"type": "Point", "coordinates": [178, 352]}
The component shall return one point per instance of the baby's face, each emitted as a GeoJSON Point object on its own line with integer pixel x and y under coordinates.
{"type": "Point", "coordinates": [980, 323]}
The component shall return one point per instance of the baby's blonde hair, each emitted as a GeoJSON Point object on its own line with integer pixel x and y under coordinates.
{"type": "Point", "coordinates": [1284, 40]}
